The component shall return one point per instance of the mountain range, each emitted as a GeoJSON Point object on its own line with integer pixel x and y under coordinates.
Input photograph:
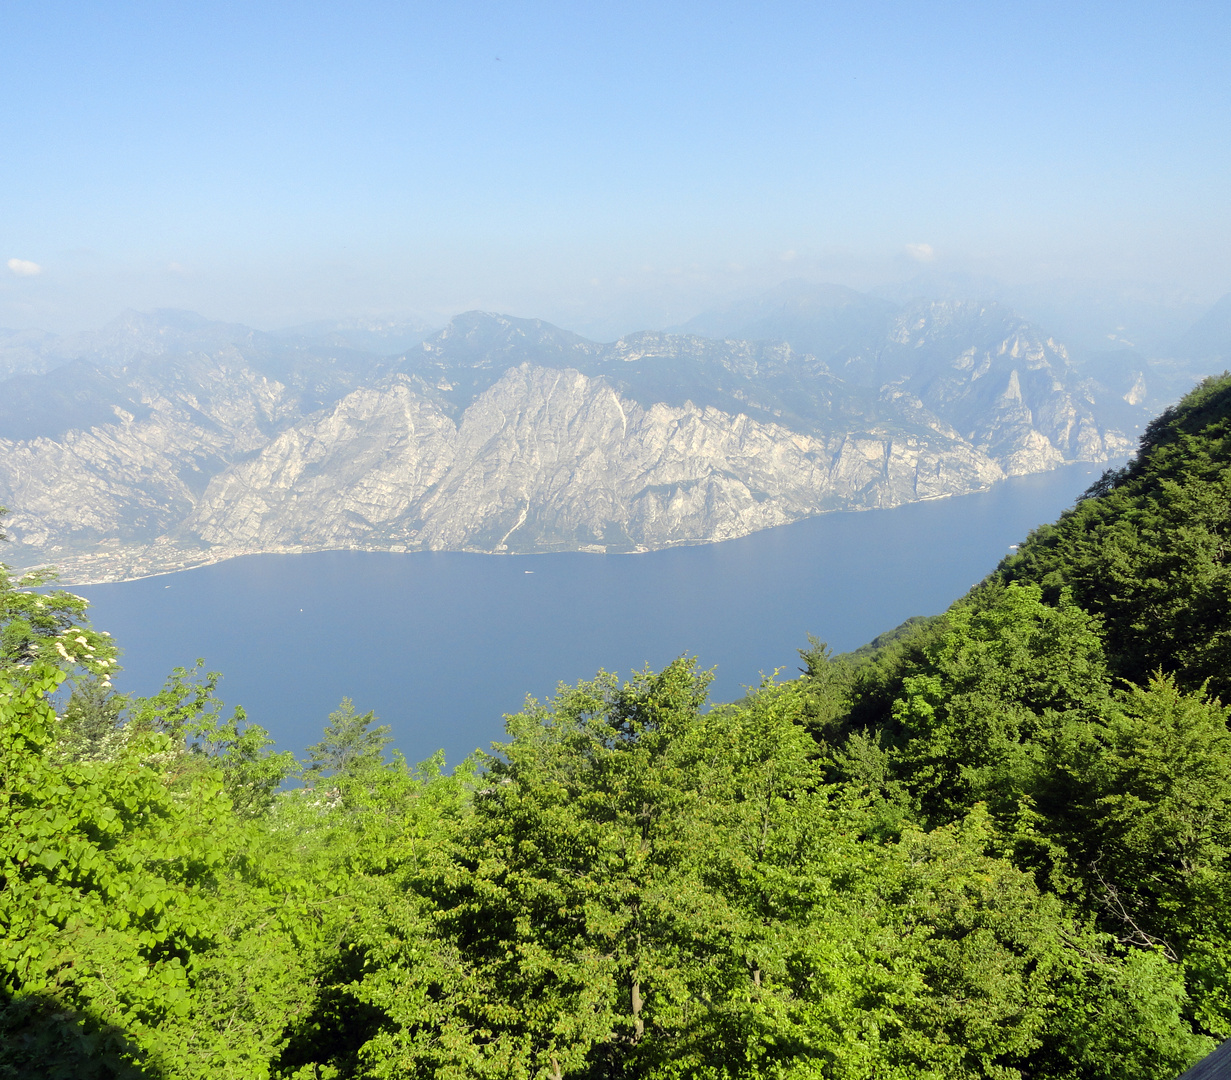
{"type": "Point", "coordinates": [168, 440]}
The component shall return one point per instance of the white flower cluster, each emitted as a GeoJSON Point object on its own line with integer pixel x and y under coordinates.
{"type": "Point", "coordinates": [98, 664]}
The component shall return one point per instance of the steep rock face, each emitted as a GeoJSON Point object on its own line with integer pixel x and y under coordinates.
{"type": "Point", "coordinates": [503, 434]}
{"type": "Point", "coordinates": [547, 459]}
{"type": "Point", "coordinates": [978, 367]}
{"type": "Point", "coordinates": [334, 478]}
{"type": "Point", "coordinates": [137, 476]}
{"type": "Point", "coordinates": [996, 380]}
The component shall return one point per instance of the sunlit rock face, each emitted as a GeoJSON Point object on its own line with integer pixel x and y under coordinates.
{"type": "Point", "coordinates": [500, 434]}
{"type": "Point", "coordinates": [550, 459]}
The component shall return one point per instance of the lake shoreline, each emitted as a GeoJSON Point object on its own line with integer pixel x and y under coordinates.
{"type": "Point", "coordinates": [141, 562]}
{"type": "Point", "coordinates": [444, 644]}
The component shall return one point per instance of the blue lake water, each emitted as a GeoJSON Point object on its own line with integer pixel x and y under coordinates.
{"type": "Point", "coordinates": [442, 644]}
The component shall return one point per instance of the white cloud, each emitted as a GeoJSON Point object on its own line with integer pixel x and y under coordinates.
{"type": "Point", "coordinates": [176, 268]}
{"type": "Point", "coordinates": [24, 267]}
{"type": "Point", "coordinates": [921, 252]}
{"type": "Point", "coordinates": [788, 256]}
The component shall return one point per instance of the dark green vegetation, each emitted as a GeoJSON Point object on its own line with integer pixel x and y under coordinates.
{"type": "Point", "coordinates": [996, 845]}
{"type": "Point", "coordinates": [1149, 554]}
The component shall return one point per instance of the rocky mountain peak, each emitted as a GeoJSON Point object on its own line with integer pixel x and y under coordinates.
{"type": "Point", "coordinates": [484, 339]}
{"type": "Point", "coordinates": [504, 433]}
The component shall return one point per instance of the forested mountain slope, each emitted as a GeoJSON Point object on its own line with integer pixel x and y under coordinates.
{"type": "Point", "coordinates": [1150, 551]}
{"type": "Point", "coordinates": [1076, 695]}
{"type": "Point", "coordinates": [998, 846]}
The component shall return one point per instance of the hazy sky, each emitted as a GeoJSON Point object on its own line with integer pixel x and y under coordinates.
{"type": "Point", "coordinates": [601, 165]}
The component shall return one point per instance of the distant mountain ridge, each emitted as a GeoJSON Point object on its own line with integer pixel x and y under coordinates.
{"type": "Point", "coordinates": [168, 440]}
{"type": "Point", "coordinates": [1209, 338]}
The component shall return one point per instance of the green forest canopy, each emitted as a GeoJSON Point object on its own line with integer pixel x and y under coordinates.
{"type": "Point", "coordinates": [998, 845]}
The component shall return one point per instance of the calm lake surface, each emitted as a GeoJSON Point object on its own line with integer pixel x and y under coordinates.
{"type": "Point", "coordinates": [442, 644]}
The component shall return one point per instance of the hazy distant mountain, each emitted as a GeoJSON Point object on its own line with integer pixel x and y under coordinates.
{"type": "Point", "coordinates": [1209, 338]}
{"type": "Point", "coordinates": [138, 335]}
{"type": "Point", "coordinates": [169, 440]}
{"type": "Point", "coordinates": [26, 351]}
{"type": "Point", "coordinates": [954, 356]}
{"type": "Point", "coordinates": [160, 333]}
{"type": "Point", "coordinates": [383, 337]}
{"type": "Point", "coordinates": [825, 320]}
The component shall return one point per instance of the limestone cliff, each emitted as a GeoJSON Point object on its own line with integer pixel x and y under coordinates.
{"type": "Point", "coordinates": [501, 434]}
{"type": "Point", "coordinates": [550, 459]}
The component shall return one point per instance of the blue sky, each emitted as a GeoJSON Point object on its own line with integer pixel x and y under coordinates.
{"type": "Point", "coordinates": [606, 166]}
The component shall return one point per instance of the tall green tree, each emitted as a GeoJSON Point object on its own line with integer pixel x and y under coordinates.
{"type": "Point", "coordinates": [369, 863]}
{"type": "Point", "coordinates": [1147, 828]}
{"type": "Point", "coordinates": [91, 718]}
{"type": "Point", "coordinates": [980, 701]}
{"type": "Point", "coordinates": [826, 687]}
{"type": "Point", "coordinates": [100, 898]}
{"type": "Point", "coordinates": [350, 744]}
{"type": "Point", "coordinates": [188, 710]}
{"type": "Point", "coordinates": [585, 853]}
{"type": "Point", "coordinates": [141, 931]}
